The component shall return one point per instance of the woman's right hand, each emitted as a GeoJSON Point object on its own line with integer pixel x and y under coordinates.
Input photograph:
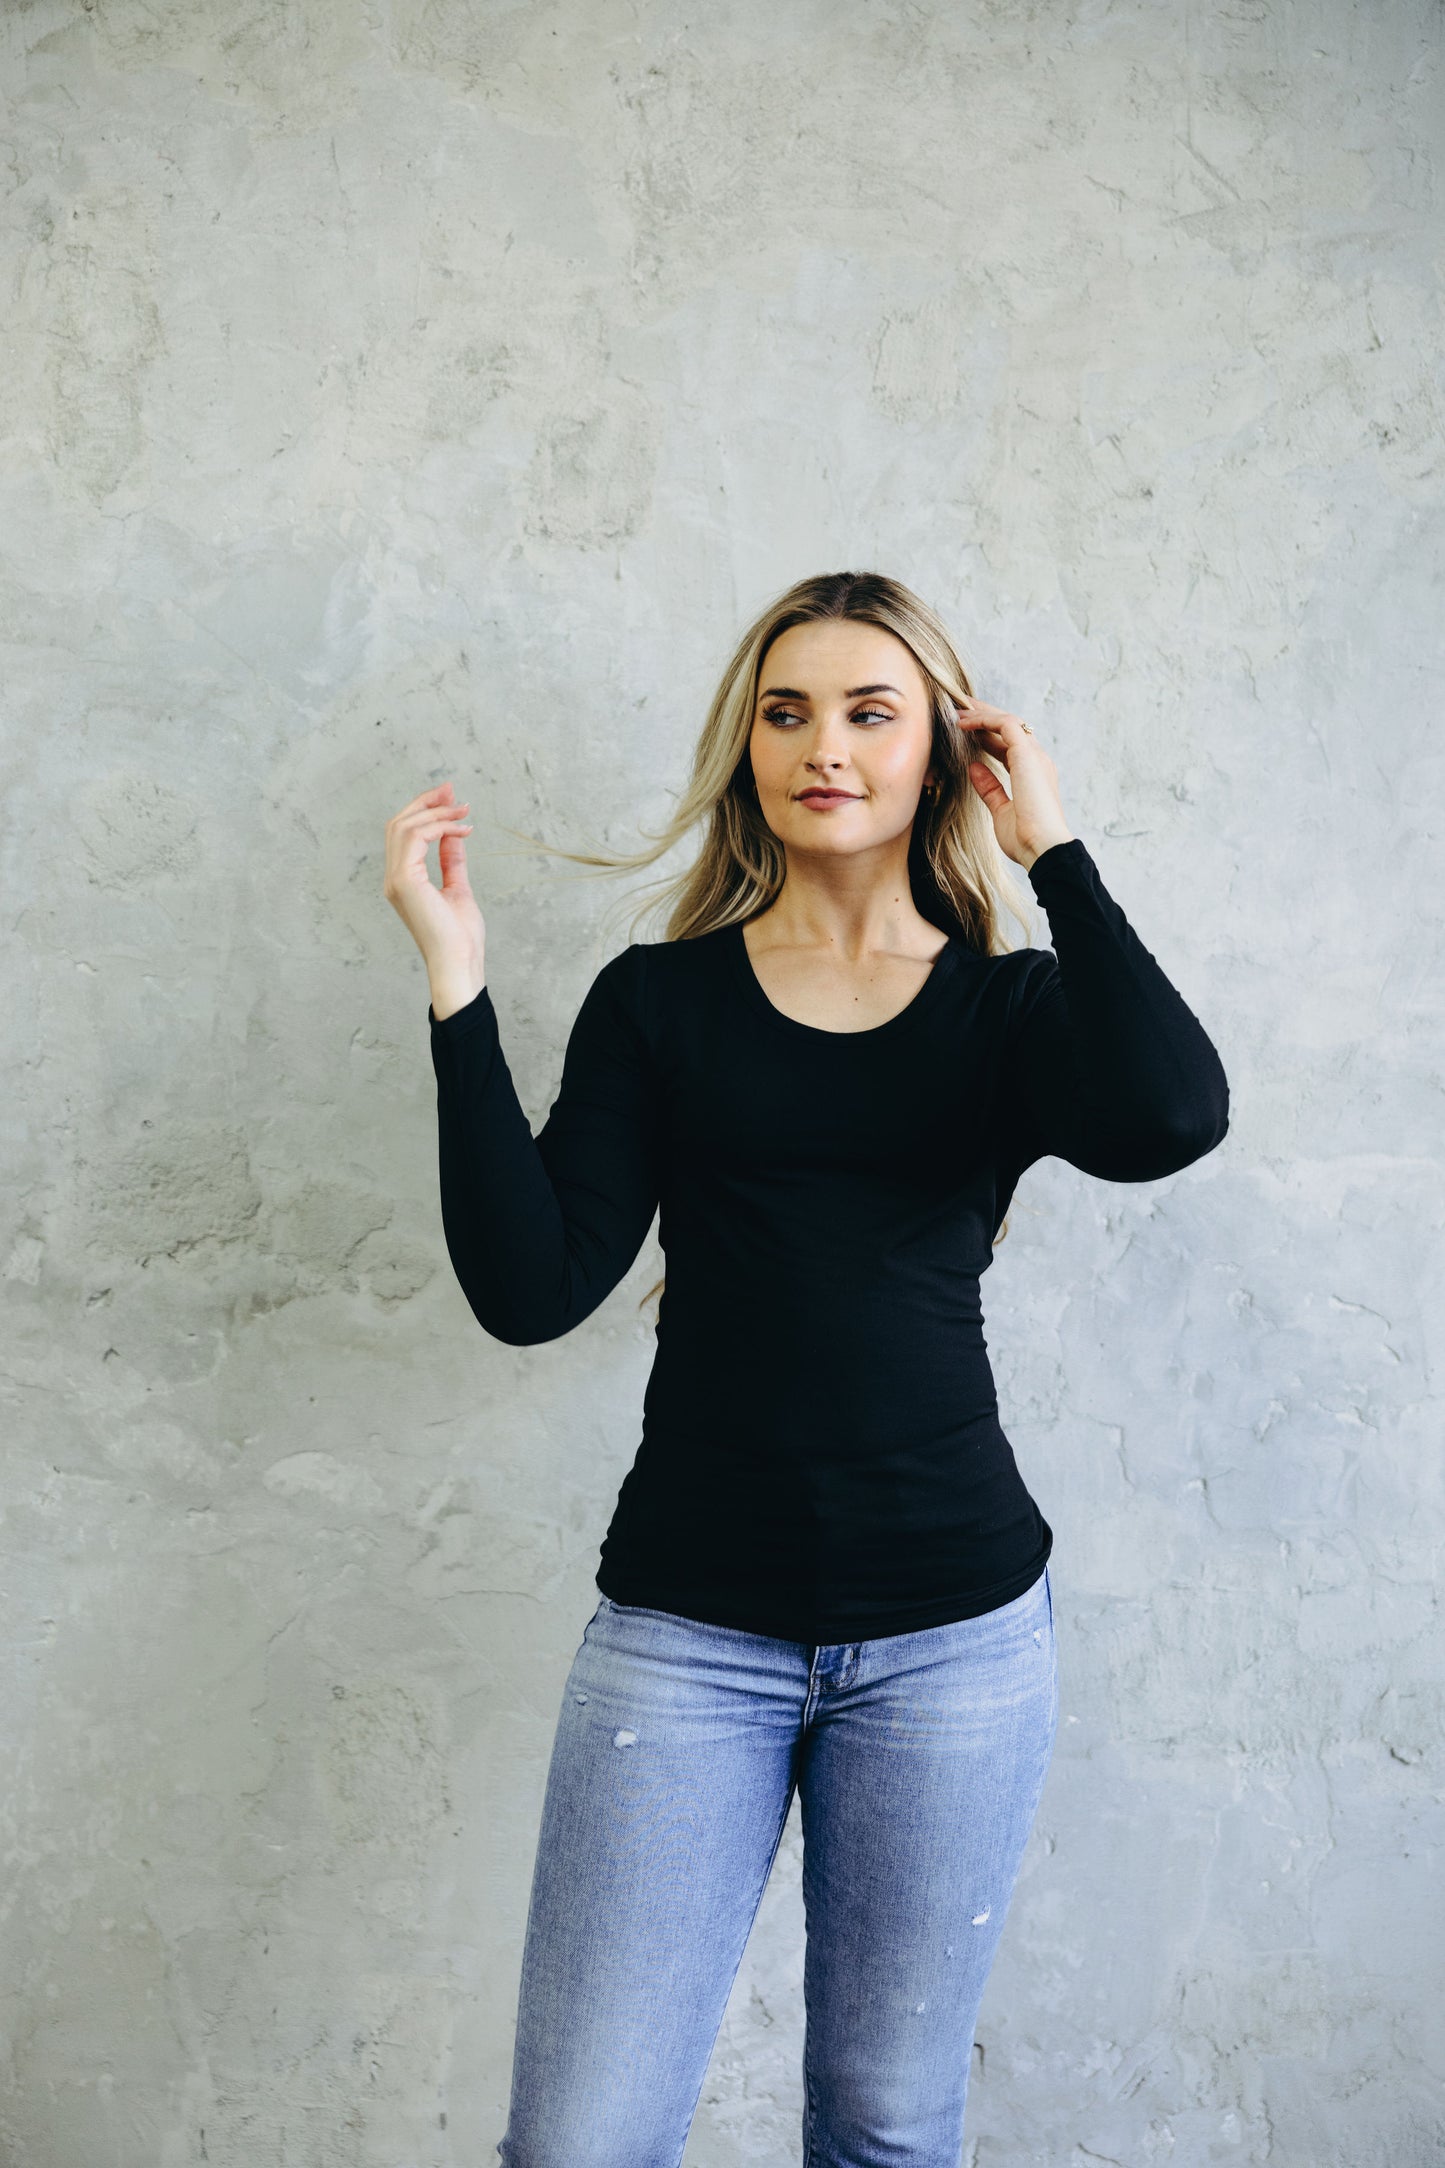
{"type": "Point", "coordinates": [445, 922]}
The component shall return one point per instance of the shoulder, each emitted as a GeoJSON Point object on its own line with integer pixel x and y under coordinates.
{"type": "Point", "coordinates": [620, 986]}
{"type": "Point", "coordinates": [1019, 965]}
{"type": "Point", "coordinates": [650, 980]}
{"type": "Point", "coordinates": [675, 962]}
{"type": "Point", "coordinates": [1029, 977]}
{"type": "Point", "coordinates": [1008, 971]}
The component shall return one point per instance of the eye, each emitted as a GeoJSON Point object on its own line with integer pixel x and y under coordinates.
{"type": "Point", "coordinates": [781, 715]}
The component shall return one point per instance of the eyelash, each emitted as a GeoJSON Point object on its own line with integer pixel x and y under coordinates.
{"type": "Point", "coordinates": [771, 715]}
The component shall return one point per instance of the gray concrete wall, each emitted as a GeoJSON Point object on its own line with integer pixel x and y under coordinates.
{"type": "Point", "coordinates": [408, 389]}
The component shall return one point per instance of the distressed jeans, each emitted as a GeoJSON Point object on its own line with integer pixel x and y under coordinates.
{"type": "Point", "coordinates": [919, 1759]}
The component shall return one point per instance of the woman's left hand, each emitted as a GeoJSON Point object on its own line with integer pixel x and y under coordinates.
{"type": "Point", "coordinates": [1027, 817]}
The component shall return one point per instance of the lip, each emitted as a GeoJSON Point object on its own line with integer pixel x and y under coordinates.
{"type": "Point", "coordinates": [827, 797]}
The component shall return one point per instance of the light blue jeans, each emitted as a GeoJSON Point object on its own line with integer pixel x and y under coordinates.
{"type": "Point", "coordinates": [919, 1759]}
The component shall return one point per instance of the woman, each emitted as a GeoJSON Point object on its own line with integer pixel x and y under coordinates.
{"type": "Point", "coordinates": [824, 1570]}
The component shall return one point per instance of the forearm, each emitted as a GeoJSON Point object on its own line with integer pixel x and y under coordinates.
{"type": "Point", "coordinates": [504, 1227]}
{"type": "Point", "coordinates": [1125, 1079]}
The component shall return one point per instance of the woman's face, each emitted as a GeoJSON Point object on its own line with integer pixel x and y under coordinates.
{"type": "Point", "coordinates": [841, 706]}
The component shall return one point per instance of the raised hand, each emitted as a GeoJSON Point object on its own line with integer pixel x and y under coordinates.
{"type": "Point", "coordinates": [1027, 817]}
{"type": "Point", "coordinates": [446, 923]}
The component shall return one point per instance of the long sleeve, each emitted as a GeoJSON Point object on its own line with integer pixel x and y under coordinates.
{"type": "Point", "coordinates": [1106, 1065]}
{"type": "Point", "coordinates": [540, 1230]}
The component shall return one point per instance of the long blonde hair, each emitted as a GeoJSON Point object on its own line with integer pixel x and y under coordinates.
{"type": "Point", "coordinates": [956, 868]}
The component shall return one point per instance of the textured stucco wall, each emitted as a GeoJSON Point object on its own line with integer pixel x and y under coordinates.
{"type": "Point", "coordinates": [397, 389]}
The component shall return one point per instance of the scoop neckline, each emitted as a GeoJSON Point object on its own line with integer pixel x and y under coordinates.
{"type": "Point", "coordinates": [903, 1019]}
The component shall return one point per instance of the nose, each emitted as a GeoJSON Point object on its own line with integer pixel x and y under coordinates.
{"type": "Point", "coordinates": [823, 756]}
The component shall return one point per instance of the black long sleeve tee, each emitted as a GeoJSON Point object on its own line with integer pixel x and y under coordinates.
{"type": "Point", "coordinates": [821, 1455]}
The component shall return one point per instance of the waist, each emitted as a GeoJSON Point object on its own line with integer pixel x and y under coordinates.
{"type": "Point", "coordinates": [904, 1537]}
{"type": "Point", "coordinates": [820, 1378]}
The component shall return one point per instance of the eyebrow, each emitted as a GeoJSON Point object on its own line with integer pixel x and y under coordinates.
{"type": "Point", "coordinates": [790, 692]}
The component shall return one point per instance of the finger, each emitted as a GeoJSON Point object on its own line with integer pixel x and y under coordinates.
{"type": "Point", "coordinates": [418, 837]}
{"type": "Point", "coordinates": [426, 798]}
{"type": "Point", "coordinates": [978, 726]}
{"type": "Point", "coordinates": [987, 784]}
{"type": "Point", "coordinates": [428, 822]}
{"type": "Point", "coordinates": [974, 710]}
{"type": "Point", "coordinates": [1009, 736]}
{"type": "Point", "coordinates": [452, 852]}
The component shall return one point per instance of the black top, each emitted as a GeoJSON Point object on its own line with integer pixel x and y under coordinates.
{"type": "Point", "coordinates": [821, 1455]}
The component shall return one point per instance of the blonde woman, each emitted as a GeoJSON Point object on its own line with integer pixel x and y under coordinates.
{"type": "Point", "coordinates": [824, 1572]}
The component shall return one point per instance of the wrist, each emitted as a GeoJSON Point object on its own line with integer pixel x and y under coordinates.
{"type": "Point", "coordinates": [1064, 836]}
{"type": "Point", "coordinates": [453, 990]}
